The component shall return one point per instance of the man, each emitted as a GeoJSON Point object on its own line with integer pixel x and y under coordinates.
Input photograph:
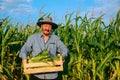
{"type": "Point", "coordinates": [44, 40]}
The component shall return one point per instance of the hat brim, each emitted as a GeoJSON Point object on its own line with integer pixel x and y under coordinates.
{"type": "Point", "coordinates": [54, 26]}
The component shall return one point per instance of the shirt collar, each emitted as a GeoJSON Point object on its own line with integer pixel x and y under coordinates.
{"type": "Point", "coordinates": [41, 35]}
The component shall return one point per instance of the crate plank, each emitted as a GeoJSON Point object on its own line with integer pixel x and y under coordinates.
{"type": "Point", "coordinates": [43, 70]}
{"type": "Point", "coordinates": [42, 64]}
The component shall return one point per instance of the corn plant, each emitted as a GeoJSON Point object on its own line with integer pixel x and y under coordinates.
{"type": "Point", "coordinates": [93, 48]}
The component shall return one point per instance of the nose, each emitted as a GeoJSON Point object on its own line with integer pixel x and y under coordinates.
{"type": "Point", "coordinates": [48, 26]}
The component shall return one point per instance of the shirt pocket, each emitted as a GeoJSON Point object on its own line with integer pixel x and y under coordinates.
{"type": "Point", "coordinates": [51, 46]}
{"type": "Point", "coordinates": [52, 49]}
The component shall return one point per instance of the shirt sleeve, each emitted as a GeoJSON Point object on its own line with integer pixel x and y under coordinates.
{"type": "Point", "coordinates": [27, 47]}
{"type": "Point", "coordinates": [61, 47]}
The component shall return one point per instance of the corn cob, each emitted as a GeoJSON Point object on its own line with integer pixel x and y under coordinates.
{"type": "Point", "coordinates": [43, 56]}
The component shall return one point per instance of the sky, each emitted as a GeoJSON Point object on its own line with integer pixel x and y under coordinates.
{"type": "Point", "coordinates": [28, 11]}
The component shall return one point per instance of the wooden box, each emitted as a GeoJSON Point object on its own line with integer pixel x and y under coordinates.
{"type": "Point", "coordinates": [42, 67]}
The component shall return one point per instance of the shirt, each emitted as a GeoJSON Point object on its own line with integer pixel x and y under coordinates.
{"type": "Point", "coordinates": [36, 44]}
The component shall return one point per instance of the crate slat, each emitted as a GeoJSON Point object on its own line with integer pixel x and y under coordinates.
{"type": "Point", "coordinates": [42, 64]}
{"type": "Point", "coordinates": [43, 70]}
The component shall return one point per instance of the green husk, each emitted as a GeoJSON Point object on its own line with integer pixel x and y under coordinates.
{"type": "Point", "coordinates": [43, 56]}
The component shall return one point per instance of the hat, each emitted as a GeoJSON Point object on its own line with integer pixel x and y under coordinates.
{"type": "Point", "coordinates": [47, 20]}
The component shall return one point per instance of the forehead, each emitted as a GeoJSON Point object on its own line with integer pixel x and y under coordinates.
{"type": "Point", "coordinates": [46, 24]}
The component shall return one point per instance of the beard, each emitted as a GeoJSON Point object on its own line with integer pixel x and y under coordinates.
{"type": "Point", "coordinates": [46, 32]}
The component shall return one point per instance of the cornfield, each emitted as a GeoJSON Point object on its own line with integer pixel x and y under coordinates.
{"type": "Point", "coordinates": [94, 48]}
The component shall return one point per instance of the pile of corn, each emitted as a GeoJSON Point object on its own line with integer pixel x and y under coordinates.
{"type": "Point", "coordinates": [43, 56]}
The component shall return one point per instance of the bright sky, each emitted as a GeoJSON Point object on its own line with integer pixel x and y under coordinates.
{"type": "Point", "coordinates": [28, 11]}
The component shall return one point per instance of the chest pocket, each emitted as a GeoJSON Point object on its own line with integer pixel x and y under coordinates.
{"type": "Point", "coordinates": [51, 46]}
{"type": "Point", "coordinates": [52, 49]}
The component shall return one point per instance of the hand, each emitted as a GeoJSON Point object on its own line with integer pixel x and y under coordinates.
{"type": "Point", "coordinates": [24, 61]}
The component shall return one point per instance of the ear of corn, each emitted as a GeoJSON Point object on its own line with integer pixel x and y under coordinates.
{"type": "Point", "coordinates": [43, 56]}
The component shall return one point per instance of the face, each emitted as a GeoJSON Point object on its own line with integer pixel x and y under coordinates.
{"type": "Point", "coordinates": [46, 28]}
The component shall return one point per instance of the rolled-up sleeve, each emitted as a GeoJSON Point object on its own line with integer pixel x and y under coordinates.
{"type": "Point", "coordinates": [61, 47]}
{"type": "Point", "coordinates": [27, 47]}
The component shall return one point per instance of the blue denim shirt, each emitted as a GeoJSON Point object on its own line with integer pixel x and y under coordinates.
{"type": "Point", "coordinates": [36, 44]}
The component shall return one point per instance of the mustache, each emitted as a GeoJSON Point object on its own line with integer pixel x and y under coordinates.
{"type": "Point", "coordinates": [46, 30]}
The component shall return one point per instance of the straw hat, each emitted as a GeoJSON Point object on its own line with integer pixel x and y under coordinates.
{"type": "Point", "coordinates": [47, 20]}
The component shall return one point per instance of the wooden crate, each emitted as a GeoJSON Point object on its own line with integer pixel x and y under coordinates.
{"type": "Point", "coordinates": [42, 67]}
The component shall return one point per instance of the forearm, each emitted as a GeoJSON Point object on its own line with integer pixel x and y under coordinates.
{"type": "Point", "coordinates": [64, 51]}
